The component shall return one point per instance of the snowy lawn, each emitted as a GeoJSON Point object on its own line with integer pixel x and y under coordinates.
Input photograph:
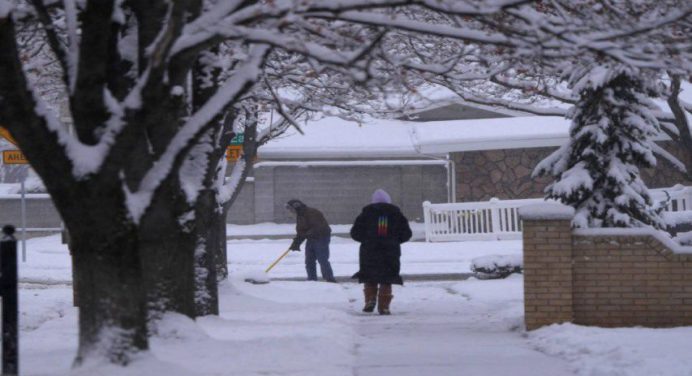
{"type": "Point", "coordinates": [467, 327]}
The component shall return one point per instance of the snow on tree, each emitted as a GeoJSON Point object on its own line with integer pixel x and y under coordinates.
{"type": "Point", "coordinates": [152, 87]}
{"type": "Point", "coordinates": [611, 138]}
{"type": "Point", "coordinates": [646, 40]}
{"type": "Point", "coordinates": [652, 36]}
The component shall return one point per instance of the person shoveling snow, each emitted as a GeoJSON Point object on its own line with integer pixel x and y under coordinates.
{"type": "Point", "coordinates": [311, 225]}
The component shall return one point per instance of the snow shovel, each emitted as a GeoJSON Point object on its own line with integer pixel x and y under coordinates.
{"type": "Point", "coordinates": [260, 279]}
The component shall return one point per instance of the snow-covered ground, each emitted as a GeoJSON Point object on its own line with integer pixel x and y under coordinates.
{"type": "Point", "coordinates": [466, 327]}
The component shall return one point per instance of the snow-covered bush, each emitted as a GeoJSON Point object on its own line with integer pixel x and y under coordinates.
{"type": "Point", "coordinates": [679, 222]}
{"type": "Point", "coordinates": [598, 171]}
{"type": "Point", "coordinates": [684, 238]}
{"type": "Point", "coordinates": [496, 266]}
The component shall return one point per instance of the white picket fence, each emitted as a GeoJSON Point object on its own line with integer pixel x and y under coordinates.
{"type": "Point", "coordinates": [499, 219]}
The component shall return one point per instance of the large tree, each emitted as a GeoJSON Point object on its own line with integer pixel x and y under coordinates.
{"type": "Point", "coordinates": [136, 175]}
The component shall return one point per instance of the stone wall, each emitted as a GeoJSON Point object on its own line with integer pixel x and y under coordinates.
{"type": "Point", "coordinates": [608, 278]}
{"type": "Point", "coordinates": [506, 174]}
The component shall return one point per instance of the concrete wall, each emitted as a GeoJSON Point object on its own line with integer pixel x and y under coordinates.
{"type": "Point", "coordinates": [506, 174]}
{"type": "Point", "coordinates": [243, 210]}
{"type": "Point", "coordinates": [40, 211]}
{"type": "Point", "coordinates": [340, 192]}
{"type": "Point", "coordinates": [609, 280]}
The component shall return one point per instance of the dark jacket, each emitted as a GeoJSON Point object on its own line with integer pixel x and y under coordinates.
{"type": "Point", "coordinates": [310, 224]}
{"type": "Point", "coordinates": [380, 228]}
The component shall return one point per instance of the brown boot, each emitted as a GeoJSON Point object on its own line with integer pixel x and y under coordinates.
{"type": "Point", "coordinates": [384, 298]}
{"type": "Point", "coordinates": [370, 292]}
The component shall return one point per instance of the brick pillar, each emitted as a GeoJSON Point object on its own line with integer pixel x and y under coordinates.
{"type": "Point", "coordinates": [547, 238]}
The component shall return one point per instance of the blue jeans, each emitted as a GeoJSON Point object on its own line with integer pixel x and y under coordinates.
{"type": "Point", "coordinates": [317, 250]}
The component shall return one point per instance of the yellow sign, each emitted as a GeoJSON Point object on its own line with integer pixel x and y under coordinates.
{"type": "Point", "coordinates": [233, 152]}
{"type": "Point", "coordinates": [13, 157]}
{"type": "Point", "coordinates": [6, 134]}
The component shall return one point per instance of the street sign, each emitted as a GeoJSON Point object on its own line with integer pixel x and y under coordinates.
{"type": "Point", "coordinates": [13, 157]}
{"type": "Point", "coordinates": [238, 139]}
{"type": "Point", "coordinates": [233, 153]}
{"type": "Point", "coordinates": [6, 134]}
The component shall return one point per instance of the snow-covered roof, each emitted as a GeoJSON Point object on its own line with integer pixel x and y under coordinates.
{"type": "Point", "coordinates": [337, 138]}
{"type": "Point", "coordinates": [489, 134]}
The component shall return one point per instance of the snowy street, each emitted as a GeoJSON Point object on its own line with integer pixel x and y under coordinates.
{"type": "Point", "coordinates": [469, 327]}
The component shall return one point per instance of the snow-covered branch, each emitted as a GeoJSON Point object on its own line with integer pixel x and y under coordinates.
{"type": "Point", "coordinates": [244, 77]}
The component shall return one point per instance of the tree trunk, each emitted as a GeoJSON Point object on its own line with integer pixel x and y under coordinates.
{"type": "Point", "coordinates": [167, 249]}
{"type": "Point", "coordinates": [222, 244]}
{"type": "Point", "coordinates": [684, 139]}
{"type": "Point", "coordinates": [112, 309]}
{"type": "Point", "coordinates": [206, 289]}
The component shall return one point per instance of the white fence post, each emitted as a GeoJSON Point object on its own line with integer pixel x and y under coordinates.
{"type": "Point", "coordinates": [426, 218]}
{"type": "Point", "coordinates": [495, 215]}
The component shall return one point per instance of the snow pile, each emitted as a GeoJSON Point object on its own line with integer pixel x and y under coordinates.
{"type": "Point", "coordinates": [256, 276]}
{"type": "Point", "coordinates": [596, 351]}
{"type": "Point", "coordinates": [678, 218]}
{"type": "Point", "coordinates": [684, 238]}
{"type": "Point", "coordinates": [546, 211]}
{"type": "Point", "coordinates": [285, 328]}
{"type": "Point", "coordinates": [496, 266]}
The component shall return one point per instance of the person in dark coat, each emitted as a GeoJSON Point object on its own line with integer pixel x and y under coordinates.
{"type": "Point", "coordinates": [380, 228]}
{"type": "Point", "coordinates": [311, 225]}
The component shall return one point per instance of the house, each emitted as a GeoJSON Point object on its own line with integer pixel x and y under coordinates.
{"type": "Point", "coordinates": [338, 163]}
{"type": "Point", "coordinates": [495, 157]}
{"type": "Point", "coordinates": [336, 166]}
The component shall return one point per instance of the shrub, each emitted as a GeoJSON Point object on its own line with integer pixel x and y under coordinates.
{"type": "Point", "coordinates": [496, 266]}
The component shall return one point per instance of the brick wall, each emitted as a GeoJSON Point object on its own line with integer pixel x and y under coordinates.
{"type": "Point", "coordinates": [547, 272]}
{"type": "Point", "coordinates": [630, 280]}
{"type": "Point", "coordinates": [609, 279]}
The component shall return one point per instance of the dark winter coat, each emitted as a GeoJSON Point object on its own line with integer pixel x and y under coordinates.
{"type": "Point", "coordinates": [380, 228]}
{"type": "Point", "coordinates": [310, 224]}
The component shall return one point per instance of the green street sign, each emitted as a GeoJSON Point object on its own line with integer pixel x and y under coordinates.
{"type": "Point", "coordinates": [238, 139]}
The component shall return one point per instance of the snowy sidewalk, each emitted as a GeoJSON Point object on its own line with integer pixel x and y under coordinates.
{"type": "Point", "coordinates": [291, 328]}
{"type": "Point", "coordinates": [437, 328]}
{"type": "Point", "coordinates": [450, 329]}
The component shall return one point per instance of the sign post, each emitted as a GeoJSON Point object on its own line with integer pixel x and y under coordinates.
{"type": "Point", "coordinates": [235, 149]}
{"type": "Point", "coordinates": [16, 157]}
{"type": "Point", "coordinates": [8, 291]}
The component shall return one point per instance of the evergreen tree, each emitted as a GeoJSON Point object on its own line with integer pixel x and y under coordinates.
{"type": "Point", "coordinates": [611, 138]}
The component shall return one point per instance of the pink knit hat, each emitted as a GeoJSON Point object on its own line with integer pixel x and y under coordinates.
{"type": "Point", "coordinates": [381, 196]}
